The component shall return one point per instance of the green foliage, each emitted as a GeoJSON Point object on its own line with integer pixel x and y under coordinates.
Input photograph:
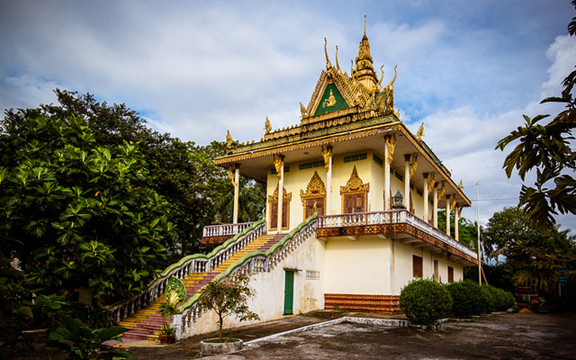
{"type": "Point", "coordinates": [228, 297]}
{"type": "Point", "coordinates": [547, 150]}
{"type": "Point", "coordinates": [497, 299]}
{"type": "Point", "coordinates": [167, 330]}
{"type": "Point", "coordinates": [80, 211]}
{"type": "Point", "coordinates": [467, 298]}
{"type": "Point", "coordinates": [251, 202]}
{"type": "Point", "coordinates": [532, 255]}
{"type": "Point", "coordinates": [425, 302]}
{"type": "Point", "coordinates": [81, 342]}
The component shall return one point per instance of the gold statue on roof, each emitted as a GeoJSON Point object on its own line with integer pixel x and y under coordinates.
{"type": "Point", "coordinates": [461, 185]}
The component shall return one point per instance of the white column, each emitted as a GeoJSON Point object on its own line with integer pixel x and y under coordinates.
{"type": "Point", "coordinates": [407, 181]}
{"type": "Point", "coordinates": [386, 178]}
{"type": "Point", "coordinates": [426, 183]}
{"type": "Point", "coordinates": [448, 215]}
{"type": "Point", "coordinates": [280, 193]}
{"type": "Point", "coordinates": [236, 193]}
{"type": "Point", "coordinates": [456, 234]}
{"type": "Point", "coordinates": [435, 207]}
{"type": "Point", "coordinates": [328, 208]}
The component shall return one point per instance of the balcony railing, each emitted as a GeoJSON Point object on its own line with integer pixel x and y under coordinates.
{"type": "Point", "coordinates": [225, 229]}
{"type": "Point", "coordinates": [391, 217]}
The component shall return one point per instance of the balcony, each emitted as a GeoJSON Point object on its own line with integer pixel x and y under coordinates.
{"type": "Point", "coordinates": [397, 224]}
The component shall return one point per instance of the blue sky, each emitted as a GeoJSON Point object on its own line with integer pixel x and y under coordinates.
{"type": "Point", "coordinates": [467, 69]}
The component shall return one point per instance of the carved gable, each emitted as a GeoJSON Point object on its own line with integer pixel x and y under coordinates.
{"type": "Point", "coordinates": [315, 189]}
{"type": "Point", "coordinates": [354, 185]}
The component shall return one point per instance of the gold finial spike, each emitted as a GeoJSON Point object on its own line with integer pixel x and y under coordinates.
{"type": "Point", "coordinates": [337, 64]}
{"type": "Point", "coordinates": [351, 67]}
{"type": "Point", "coordinates": [382, 76]}
{"type": "Point", "coordinates": [461, 185]}
{"type": "Point", "coordinates": [364, 24]}
{"type": "Point", "coordinates": [328, 64]}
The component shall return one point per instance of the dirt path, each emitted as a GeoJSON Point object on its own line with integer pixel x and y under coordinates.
{"type": "Point", "coordinates": [506, 336]}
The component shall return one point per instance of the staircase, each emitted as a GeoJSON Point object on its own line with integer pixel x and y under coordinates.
{"type": "Point", "coordinates": [147, 322]}
{"type": "Point", "coordinates": [379, 304]}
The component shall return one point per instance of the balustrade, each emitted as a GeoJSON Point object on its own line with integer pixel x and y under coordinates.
{"type": "Point", "coordinates": [225, 229]}
{"type": "Point", "coordinates": [390, 217]}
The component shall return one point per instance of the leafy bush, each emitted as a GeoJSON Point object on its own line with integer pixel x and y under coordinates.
{"type": "Point", "coordinates": [467, 298]}
{"type": "Point", "coordinates": [497, 299]}
{"type": "Point", "coordinates": [425, 302]}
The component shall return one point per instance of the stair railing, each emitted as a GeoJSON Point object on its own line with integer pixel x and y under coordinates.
{"type": "Point", "coordinates": [197, 263]}
{"type": "Point", "coordinates": [254, 262]}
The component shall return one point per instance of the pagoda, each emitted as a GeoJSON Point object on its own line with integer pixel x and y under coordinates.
{"type": "Point", "coordinates": [352, 204]}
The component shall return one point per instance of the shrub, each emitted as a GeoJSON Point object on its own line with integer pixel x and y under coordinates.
{"type": "Point", "coordinates": [425, 301]}
{"type": "Point", "coordinates": [467, 298]}
{"type": "Point", "coordinates": [497, 299]}
{"type": "Point", "coordinates": [490, 298]}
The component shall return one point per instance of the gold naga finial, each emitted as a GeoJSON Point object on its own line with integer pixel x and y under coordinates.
{"type": "Point", "coordinates": [381, 76]}
{"type": "Point", "coordinates": [328, 63]}
{"type": "Point", "coordinates": [229, 139]}
{"type": "Point", "coordinates": [337, 64]}
{"type": "Point", "coordinates": [303, 110]}
{"type": "Point", "coordinates": [461, 185]}
{"type": "Point", "coordinates": [267, 126]}
{"type": "Point", "coordinates": [390, 86]}
{"type": "Point", "coordinates": [420, 132]}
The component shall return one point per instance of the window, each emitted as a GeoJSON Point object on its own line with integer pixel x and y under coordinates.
{"type": "Point", "coordinates": [356, 157]}
{"type": "Point", "coordinates": [377, 160]}
{"type": "Point", "coordinates": [450, 274]}
{"type": "Point", "coordinates": [311, 165]}
{"type": "Point", "coordinates": [416, 266]}
{"type": "Point", "coordinates": [354, 203]}
{"type": "Point", "coordinates": [310, 207]}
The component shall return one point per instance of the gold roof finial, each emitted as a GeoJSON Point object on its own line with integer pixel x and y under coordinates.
{"type": "Point", "coordinates": [337, 64]}
{"type": "Point", "coordinates": [420, 132]}
{"type": "Point", "coordinates": [364, 24]}
{"type": "Point", "coordinates": [229, 139]}
{"type": "Point", "coordinates": [267, 126]}
{"type": "Point", "coordinates": [328, 64]}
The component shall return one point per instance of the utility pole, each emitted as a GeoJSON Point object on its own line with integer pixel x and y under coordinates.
{"type": "Point", "coordinates": [478, 225]}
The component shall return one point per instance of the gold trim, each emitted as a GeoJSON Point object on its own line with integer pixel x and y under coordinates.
{"type": "Point", "coordinates": [273, 199]}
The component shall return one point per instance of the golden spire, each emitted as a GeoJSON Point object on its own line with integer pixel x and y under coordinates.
{"type": "Point", "coordinates": [364, 65]}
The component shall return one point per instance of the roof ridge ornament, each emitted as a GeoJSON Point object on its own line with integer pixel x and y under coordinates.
{"type": "Point", "coordinates": [337, 64]}
{"type": "Point", "coordinates": [328, 64]}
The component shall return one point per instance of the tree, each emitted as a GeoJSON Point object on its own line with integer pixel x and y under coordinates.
{"type": "Point", "coordinates": [251, 202]}
{"type": "Point", "coordinates": [534, 256]}
{"type": "Point", "coordinates": [78, 214]}
{"type": "Point", "coordinates": [228, 297]}
{"type": "Point", "coordinates": [547, 150]}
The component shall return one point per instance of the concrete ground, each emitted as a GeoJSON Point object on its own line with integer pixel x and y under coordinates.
{"type": "Point", "coordinates": [502, 336]}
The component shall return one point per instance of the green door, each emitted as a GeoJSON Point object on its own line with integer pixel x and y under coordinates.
{"type": "Point", "coordinates": [288, 292]}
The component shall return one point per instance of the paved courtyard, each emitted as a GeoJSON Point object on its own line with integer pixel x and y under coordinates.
{"type": "Point", "coordinates": [502, 336]}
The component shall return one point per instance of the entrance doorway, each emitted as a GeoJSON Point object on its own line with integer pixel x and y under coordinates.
{"type": "Point", "coordinates": [288, 292]}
